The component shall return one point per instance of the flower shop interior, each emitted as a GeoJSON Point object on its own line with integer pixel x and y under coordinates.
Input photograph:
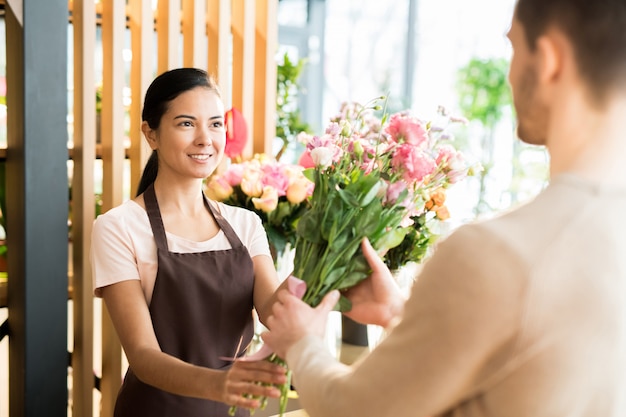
{"type": "Point", "coordinates": [73, 74]}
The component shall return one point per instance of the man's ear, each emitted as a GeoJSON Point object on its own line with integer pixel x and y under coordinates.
{"type": "Point", "coordinates": [550, 56]}
{"type": "Point", "coordinates": [149, 134]}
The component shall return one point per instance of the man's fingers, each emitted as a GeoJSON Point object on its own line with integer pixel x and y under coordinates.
{"type": "Point", "coordinates": [374, 261]}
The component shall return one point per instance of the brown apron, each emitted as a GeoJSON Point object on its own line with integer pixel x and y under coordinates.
{"type": "Point", "coordinates": [201, 310]}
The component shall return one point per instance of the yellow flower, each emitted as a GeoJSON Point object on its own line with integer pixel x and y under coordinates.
{"type": "Point", "coordinates": [268, 200]}
{"type": "Point", "coordinates": [219, 189]}
{"type": "Point", "coordinates": [298, 190]}
{"type": "Point", "coordinates": [251, 183]}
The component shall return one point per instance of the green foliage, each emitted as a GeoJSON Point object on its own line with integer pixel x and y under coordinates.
{"type": "Point", "coordinates": [483, 90]}
{"type": "Point", "coordinates": [288, 118]}
{"type": "Point", "coordinates": [414, 246]}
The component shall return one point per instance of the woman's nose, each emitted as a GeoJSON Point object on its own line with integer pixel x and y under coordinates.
{"type": "Point", "coordinates": [204, 137]}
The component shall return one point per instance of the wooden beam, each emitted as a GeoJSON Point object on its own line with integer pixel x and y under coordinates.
{"type": "Point", "coordinates": [218, 32]}
{"type": "Point", "coordinates": [141, 74]}
{"type": "Point", "coordinates": [243, 30]}
{"type": "Point", "coordinates": [168, 34]}
{"type": "Point", "coordinates": [194, 34]}
{"type": "Point", "coordinates": [83, 205]}
{"type": "Point", "coordinates": [113, 27]}
{"type": "Point", "coordinates": [265, 76]}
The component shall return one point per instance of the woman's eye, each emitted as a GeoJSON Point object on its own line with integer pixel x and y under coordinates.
{"type": "Point", "coordinates": [186, 123]}
{"type": "Point", "coordinates": [218, 124]}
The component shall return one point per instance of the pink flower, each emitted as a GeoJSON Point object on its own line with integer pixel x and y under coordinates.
{"type": "Point", "coordinates": [452, 163]}
{"type": "Point", "coordinates": [407, 129]}
{"type": "Point", "coordinates": [274, 176]}
{"type": "Point", "coordinates": [413, 163]}
{"type": "Point", "coordinates": [305, 159]}
{"type": "Point", "coordinates": [393, 192]}
{"type": "Point", "coordinates": [233, 174]}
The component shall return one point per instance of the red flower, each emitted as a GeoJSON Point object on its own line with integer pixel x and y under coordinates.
{"type": "Point", "coordinates": [236, 133]}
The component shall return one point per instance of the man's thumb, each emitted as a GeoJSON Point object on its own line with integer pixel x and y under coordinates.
{"type": "Point", "coordinates": [329, 301]}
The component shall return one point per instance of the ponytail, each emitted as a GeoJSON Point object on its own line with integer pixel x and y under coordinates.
{"type": "Point", "coordinates": [149, 173]}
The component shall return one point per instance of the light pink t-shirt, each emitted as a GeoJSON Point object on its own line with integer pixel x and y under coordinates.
{"type": "Point", "coordinates": [123, 246]}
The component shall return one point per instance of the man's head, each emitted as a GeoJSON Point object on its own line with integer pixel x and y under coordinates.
{"type": "Point", "coordinates": [544, 34]}
{"type": "Point", "coordinates": [596, 30]}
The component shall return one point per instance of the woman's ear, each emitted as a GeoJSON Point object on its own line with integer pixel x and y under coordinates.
{"type": "Point", "coordinates": [149, 134]}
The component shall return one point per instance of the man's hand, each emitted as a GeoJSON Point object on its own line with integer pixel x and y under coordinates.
{"type": "Point", "coordinates": [292, 319]}
{"type": "Point", "coordinates": [376, 300]}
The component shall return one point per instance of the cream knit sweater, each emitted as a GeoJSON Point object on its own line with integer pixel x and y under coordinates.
{"type": "Point", "coordinates": [520, 315]}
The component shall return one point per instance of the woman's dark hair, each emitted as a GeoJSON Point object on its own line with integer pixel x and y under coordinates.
{"type": "Point", "coordinates": [165, 88]}
{"type": "Point", "coordinates": [596, 30]}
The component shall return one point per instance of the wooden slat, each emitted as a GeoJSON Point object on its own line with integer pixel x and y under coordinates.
{"type": "Point", "coordinates": [168, 34]}
{"type": "Point", "coordinates": [194, 34]}
{"type": "Point", "coordinates": [265, 76]}
{"type": "Point", "coordinates": [83, 205]}
{"type": "Point", "coordinates": [243, 30]}
{"type": "Point", "coordinates": [218, 32]}
{"type": "Point", "coordinates": [113, 26]}
{"type": "Point", "coordinates": [141, 74]}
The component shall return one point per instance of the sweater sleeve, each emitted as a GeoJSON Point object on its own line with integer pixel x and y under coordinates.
{"type": "Point", "coordinates": [457, 331]}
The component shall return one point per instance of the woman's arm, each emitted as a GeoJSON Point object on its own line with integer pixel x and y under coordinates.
{"type": "Point", "coordinates": [129, 312]}
{"type": "Point", "coordinates": [266, 285]}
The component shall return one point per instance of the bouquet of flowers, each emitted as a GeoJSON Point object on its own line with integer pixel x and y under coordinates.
{"type": "Point", "coordinates": [277, 192]}
{"type": "Point", "coordinates": [373, 178]}
{"type": "Point", "coordinates": [379, 178]}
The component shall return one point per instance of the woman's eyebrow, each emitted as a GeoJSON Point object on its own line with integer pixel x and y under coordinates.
{"type": "Point", "coordinates": [185, 116]}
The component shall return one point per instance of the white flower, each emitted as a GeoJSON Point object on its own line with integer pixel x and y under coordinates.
{"type": "Point", "coordinates": [322, 156]}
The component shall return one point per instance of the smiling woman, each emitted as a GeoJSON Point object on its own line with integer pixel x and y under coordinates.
{"type": "Point", "coordinates": [180, 274]}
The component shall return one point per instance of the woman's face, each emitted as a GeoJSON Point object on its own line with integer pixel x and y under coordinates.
{"type": "Point", "coordinates": [191, 135]}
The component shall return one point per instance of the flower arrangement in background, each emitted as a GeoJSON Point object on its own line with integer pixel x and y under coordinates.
{"type": "Point", "coordinates": [277, 192]}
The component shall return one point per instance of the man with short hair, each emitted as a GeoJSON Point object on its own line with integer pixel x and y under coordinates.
{"type": "Point", "coordinates": [523, 314]}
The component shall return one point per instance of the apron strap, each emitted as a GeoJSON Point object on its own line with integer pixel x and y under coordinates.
{"type": "Point", "coordinates": [232, 237]}
{"type": "Point", "coordinates": [154, 214]}
{"type": "Point", "coordinates": [156, 221]}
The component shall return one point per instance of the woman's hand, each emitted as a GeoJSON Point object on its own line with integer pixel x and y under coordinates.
{"type": "Point", "coordinates": [247, 382]}
{"type": "Point", "coordinates": [378, 299]}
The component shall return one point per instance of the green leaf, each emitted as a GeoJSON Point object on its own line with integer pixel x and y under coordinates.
{"type": "Point", "coordinates": [344, 304]}
{"type": "Point", "coordinates": [309, 227]}
{"type": "Point", "coordinates": [367, 221]}
{"type": "Point", "coordinates": [352, 279]}
{"type": "Point", "coordinates": [392, 238]}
